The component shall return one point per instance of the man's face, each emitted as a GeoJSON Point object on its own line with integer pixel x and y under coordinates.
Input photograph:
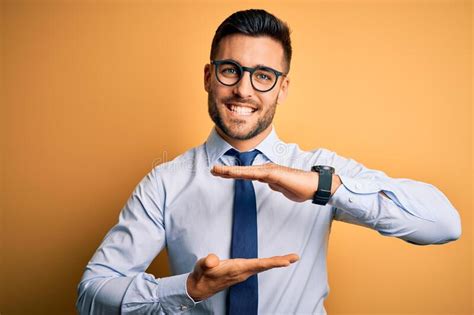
{"type": "Point", "coordinates": [240, 111]}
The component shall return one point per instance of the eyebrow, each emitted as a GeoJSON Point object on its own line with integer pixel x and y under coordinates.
{"type": "Point", "coordinates": [256, 66]}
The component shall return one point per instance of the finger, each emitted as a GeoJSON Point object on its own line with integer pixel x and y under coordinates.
{"type": "Point", "coordinates": [292, 257]}
{"type": "Point", "coordinates": [256, 172]}
{"type": "Point", "coordinates": [285, 260]}
{"type": "Point", "coordinates": [206, 263]}
{"type": "Point", "coordinates": [247, 172]}
{"type": "Point", "coordinates": [210, 262]}
{"type": "Point", "coordinates": [261, 264]}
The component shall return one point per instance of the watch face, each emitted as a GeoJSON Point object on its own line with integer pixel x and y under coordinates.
{"type": "Point", "coordinates": [326, 168]}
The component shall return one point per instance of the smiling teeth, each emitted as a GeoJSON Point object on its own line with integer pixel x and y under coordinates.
{"type": "Point", "coordinates": [241, 110]}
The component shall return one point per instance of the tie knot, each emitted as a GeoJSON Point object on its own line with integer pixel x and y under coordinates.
{"type": "Point", "coordinates": [244, 158]}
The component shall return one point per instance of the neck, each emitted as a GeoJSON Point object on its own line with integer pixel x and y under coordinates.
{"type": "Point", "coordinates": [245, 145]}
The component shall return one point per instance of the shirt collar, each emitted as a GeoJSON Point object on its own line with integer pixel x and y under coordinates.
{"type": "Point", "coordinates": [216, 146]}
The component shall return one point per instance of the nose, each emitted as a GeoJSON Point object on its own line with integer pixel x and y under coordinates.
{"type": "Point", "coordinates": [244, 88]}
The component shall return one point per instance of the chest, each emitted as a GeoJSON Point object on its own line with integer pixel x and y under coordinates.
{"type": "Point", "coordinates": [198, 221]}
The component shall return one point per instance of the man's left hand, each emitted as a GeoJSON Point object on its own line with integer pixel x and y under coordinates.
{"type": "Point", "coordinates": [295, 184]}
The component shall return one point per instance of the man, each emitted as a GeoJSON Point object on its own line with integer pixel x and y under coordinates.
{"type": "Point", "coordinates": [244, 202]}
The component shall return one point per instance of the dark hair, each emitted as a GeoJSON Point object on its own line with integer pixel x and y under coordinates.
{"type": "Point", "coordinates": [255, 23]}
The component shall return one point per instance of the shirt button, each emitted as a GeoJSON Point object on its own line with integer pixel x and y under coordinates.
{"type": "Point", "coordinates": [351, 200]}
{"type": "Point", "coordinates": [184, 307]}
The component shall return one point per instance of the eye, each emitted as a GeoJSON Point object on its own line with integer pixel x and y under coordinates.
{"type": "Point", "coordinates": [229, 70]}
{"type": "Point", "coordinates": [263, 76]}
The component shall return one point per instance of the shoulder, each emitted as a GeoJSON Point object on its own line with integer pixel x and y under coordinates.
{"type": "Point", "coordinates": [182, 164]}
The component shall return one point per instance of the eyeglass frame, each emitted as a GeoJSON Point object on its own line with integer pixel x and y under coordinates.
{"type": "Point", "coordinates": [250, 70]}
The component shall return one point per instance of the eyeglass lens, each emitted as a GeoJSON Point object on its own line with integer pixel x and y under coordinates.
{"type": "Point", "coordinates": [262, 79]}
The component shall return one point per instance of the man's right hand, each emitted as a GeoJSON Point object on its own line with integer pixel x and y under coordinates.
{"type": "Point", "coordinates": [211, 275]}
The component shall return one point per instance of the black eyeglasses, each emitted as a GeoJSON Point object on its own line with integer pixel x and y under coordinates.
{"type": "Point", "coordinates": [229, 72]}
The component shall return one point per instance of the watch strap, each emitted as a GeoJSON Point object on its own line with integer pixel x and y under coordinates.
{"type": "Point", "coordinates": [323, 194]}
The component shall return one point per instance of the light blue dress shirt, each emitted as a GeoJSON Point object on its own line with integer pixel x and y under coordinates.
{"type": "Point", "coordinates": [182, 206]}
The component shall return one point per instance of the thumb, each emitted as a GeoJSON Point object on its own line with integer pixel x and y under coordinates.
{"type": "Point", "coordinates": [205, 263]}
{"type": "Point", "coordinates": [210, 262]}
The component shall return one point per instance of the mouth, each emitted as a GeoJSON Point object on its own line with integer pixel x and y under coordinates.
{"type": "Point", "coordinates": [240, 110]}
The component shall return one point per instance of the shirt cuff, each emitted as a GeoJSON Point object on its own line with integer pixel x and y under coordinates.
{"type": "Point", "coordinates": [354, 196]}
{"type": "Point", "coordinates": [173, 294]}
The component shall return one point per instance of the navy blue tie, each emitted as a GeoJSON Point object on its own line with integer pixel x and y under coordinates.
{"type": "Point", "coordinates": [243, 297]}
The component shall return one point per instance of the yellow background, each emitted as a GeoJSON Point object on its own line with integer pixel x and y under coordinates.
{"type": "Point", "coordinates": [94, 94]}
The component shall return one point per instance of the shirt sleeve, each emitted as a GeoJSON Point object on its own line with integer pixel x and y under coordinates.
{"type": "Point", "coordinates": [115, 281]}
{"type": "Point", "coordinates": [416, 212]}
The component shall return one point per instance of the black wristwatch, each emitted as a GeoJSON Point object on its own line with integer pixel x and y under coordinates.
{"type": "Point", "coordinates": [322, 195]}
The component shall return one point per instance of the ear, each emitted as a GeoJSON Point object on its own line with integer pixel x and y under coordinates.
{"type": "Point", "coordinates": [207, 77]}
{"type": "Point", "coordinates": [283, 92]}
